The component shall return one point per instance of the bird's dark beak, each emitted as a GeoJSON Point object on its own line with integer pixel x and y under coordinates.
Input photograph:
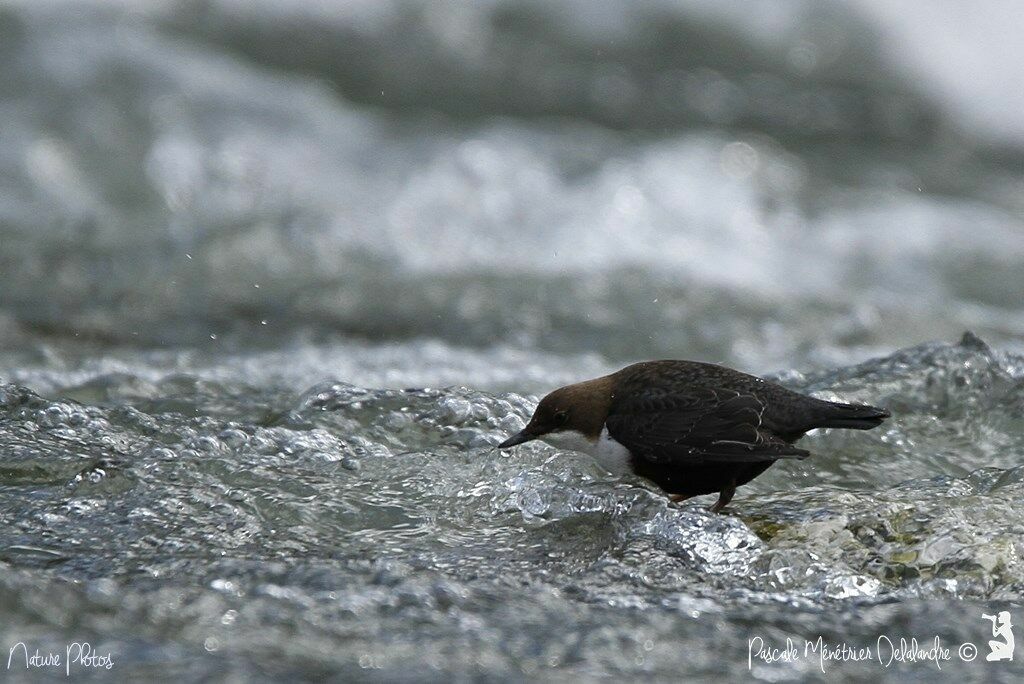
{"type": "Point", "coordinates": [518, 438]}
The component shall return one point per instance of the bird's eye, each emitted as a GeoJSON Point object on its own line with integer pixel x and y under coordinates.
{"type": "Point", "coordinates": [562, 417]}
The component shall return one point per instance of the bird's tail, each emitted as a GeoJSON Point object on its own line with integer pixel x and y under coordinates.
{"type": "Point", "coordinates": [853, 416]}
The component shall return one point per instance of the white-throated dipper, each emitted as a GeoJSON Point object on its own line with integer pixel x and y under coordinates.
{"type": "Point", "coordinates": [691, 428]}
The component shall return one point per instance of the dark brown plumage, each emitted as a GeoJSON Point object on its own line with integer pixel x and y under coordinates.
{"type": "Point", "coordinates": [692, 428]}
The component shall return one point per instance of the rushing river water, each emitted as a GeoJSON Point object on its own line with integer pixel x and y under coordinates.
{"type": "Point", "coordinates": [275, 277]}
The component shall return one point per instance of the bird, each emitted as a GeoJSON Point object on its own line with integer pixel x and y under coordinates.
{"type": "Point", "coordinates": [691, 428]}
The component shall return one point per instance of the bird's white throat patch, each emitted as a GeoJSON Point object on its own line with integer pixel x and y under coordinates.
{"type": "Point", "coordinates": [609, 454]}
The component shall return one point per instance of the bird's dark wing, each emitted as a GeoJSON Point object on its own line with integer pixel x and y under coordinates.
{"type": "Point", "coordinates": [706, 425]}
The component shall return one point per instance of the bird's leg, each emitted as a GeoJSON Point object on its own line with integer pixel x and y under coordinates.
{"type": "Point", "coordinates": [676, 498]}
{"type": "Point", "coordinates": [724, 497]}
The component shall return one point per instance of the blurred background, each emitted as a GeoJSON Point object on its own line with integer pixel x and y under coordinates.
{"type": "Point", "coordinates": [765, 184]}
{"type": "Point", "coordinates": [276, 276]}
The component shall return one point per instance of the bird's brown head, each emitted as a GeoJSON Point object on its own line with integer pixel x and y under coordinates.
{"type": "Point", "coordinates": [581, 408]}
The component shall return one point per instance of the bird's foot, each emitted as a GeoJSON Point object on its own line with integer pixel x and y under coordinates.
{"type": "Point", "coordinates": [676, 498]}
{"type": "Point", "coordinates": [724, 497]}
